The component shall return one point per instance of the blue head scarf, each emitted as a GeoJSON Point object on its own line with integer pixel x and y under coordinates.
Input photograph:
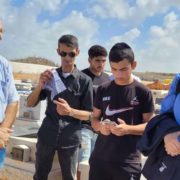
{"type": "Point", "coordinates": [171, 103]}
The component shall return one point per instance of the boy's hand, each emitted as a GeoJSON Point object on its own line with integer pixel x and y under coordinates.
{"type": "Point", "coordinates": [105, 127]}
{"type": "Point", "coordinates": [120, 129]}
{"type": "Point", "coordinates": [63, 107]}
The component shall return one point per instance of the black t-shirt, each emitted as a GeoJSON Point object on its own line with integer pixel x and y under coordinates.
{"type": "Point", "coordinates": [97, 81]}
{"type": "Point", "coordinates": [64, 131]}
{"type": "Point", "coordinates": [127, 102]}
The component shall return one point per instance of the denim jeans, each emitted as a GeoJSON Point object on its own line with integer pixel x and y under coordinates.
{"type": "Point", "coordinates": [87, 144]}
{"type": "Point", "coordinates": [68, 159]}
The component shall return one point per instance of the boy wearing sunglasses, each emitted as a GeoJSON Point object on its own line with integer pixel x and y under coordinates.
{"type": "Point", "coordinates": [69, 101]}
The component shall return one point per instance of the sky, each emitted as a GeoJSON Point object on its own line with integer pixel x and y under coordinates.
{"type": "Point", "coordinates": [150, 27]}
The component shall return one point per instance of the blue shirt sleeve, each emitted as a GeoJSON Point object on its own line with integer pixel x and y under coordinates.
{"type": "Point", "coordinates": [12, 92]}
{"type": "Point", "coordinates": [8, 92]}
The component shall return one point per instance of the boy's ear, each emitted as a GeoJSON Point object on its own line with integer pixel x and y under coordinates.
{"type": "Point", "coordinates": [57, 50]}
{"type": "Point", "coordinates": [134, 64]}
{"type": "Point", "coordinates": [89, 59]}
{"type": "Point", "coordinates": [77, 52]}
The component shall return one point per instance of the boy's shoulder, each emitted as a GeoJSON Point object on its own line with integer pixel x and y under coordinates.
{"type": "Point", "coordinates": [83, 76]}
{"type": "Point", "coordinates": [4, 61]}
{"type": "Point", "coordinates": [140, 86]}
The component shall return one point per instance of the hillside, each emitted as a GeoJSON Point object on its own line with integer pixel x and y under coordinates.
{"type": "Point", "coordinates": [154, 76]}
{"type": "Point", "coordinates": [31, 67]}
{"type": "Point", "coordinates": [35, 60]}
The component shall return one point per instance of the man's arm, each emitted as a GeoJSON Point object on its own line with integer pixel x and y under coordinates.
{"type": "Point", "coordinates": [139, 129]}
{"type": "Point", "coordinates": [11, 109]}
{"type": "Point", "coordinates": [98, 125]}
{"type": "Point", "coordinates": [4, 136]}
{"type": "Point", "coordinates": [33, 98]}
{"type": "Point", "coordinates": [125, 129]}
{"type": "Point", "coordinates": [12, 101]}
{"type": "Point", "coordinates": [95, 122]}
{"type": "Point", "coordinates": [64, 109]}
{"type": "Point", "coordinates": [5, 127]}
{"type": "Point", "coordinates": [10, 115]}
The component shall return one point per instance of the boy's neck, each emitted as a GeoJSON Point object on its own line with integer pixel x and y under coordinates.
{"type": "Point", "coordinates": [95, 72]}
{"type": "Point", "coordinates": [126, 82]}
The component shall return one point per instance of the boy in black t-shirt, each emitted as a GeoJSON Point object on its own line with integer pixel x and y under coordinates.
{"type": "Point", "coordinates": [97, 60]}
{"type": "Point", "coordinates": [121, 111]}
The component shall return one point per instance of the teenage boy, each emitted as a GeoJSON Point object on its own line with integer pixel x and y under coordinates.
{"type": "Point", "coordinates": [69, 101]}
{"type": "Point", "coordinates": [97, 60]}
{"type": "Point", "coordinates": [121, 111]}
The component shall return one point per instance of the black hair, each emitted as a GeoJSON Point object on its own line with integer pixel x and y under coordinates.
{"type": "Point", "coordinates": [120, 52]}
{"type": "Point", "coordinates": [69, 40]}
{"type": "Point", "coordinates": [97, 50]}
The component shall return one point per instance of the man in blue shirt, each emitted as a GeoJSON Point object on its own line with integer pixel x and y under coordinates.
{"type": "Point", "coordinates": [8, 100]}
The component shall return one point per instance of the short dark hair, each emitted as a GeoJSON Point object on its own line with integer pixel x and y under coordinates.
{"type": "Point", "coordinates": [69, 40]}
{"type": "Point", "coordinates": [97, 50]}
{"type": "Point", "coordinates": [121, 51]}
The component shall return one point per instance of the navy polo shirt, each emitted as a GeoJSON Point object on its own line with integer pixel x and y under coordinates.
{"type": "Point", "coordinates": [64, 131]}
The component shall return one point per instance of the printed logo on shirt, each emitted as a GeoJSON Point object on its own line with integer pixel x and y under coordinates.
{"type": "Point", "coordinates": [163, 167]}
{"type": "Point", "coordinates": [106, 98]}
{"type": "Point", "coordinates": [111, 112]}
{"type": "Point", "coordinates": [134, 101]}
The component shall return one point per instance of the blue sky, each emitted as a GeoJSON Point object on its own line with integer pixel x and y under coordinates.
{"type": "Point", "coordinates": [150, 27]}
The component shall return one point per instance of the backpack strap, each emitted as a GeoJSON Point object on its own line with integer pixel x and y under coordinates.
{"type": "Point", "coordinates": [133, 95]}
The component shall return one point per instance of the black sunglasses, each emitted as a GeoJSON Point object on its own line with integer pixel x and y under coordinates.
{"type": "Point", "coordinates": [70, 54]}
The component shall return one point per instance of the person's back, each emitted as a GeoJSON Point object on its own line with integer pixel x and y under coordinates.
{"type": "Point", "coordinates": [121, 109]}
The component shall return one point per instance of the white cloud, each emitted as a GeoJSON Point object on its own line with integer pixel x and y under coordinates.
{"type": "Point", "coordinates": [112, 9]}
{"type": "Point", "coordinates": [127, 37]}
{"type": "Point", "coordinates": [163, 52]}
{"type": "Point", "coordinates": [132, 14]}
{"type": "Point", "coordinates": [52, 6]}
{"type": "Point", "coordinates": [25, 36]}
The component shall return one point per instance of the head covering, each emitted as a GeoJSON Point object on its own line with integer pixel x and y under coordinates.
{"type": "Point", "coordinates": [171, 103]}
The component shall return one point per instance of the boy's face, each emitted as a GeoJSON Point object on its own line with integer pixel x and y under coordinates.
{"type": "Point", "coordinates": [67, 55]}
{"type": "Point", "coordinates": [97, 64]}
{"type": "Point", "coordinates": [122, 70]}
